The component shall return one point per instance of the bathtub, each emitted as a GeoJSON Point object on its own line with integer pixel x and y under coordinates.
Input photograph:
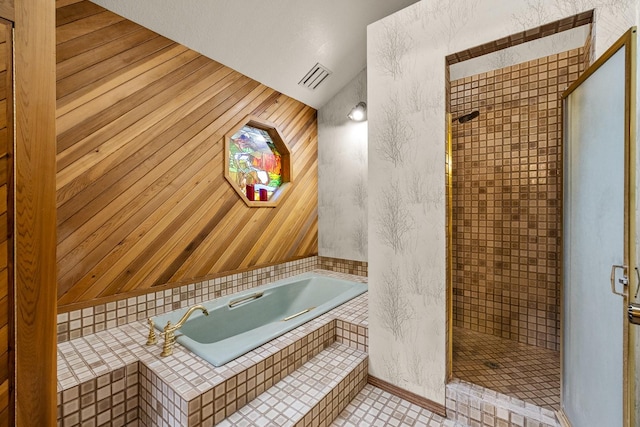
{"type": "Point", "coordinates": [238, 323]}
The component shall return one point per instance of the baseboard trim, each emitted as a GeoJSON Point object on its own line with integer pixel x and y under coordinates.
{"type": "Point", "coordinates": [423, 402]}
{"type": "Point", "coordinates": [562, 418]}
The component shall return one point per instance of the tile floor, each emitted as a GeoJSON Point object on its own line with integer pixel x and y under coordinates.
{"type": "Point", "coordinates": [373, 407]}
{"type": "Point", "coordinates": [518, 370]}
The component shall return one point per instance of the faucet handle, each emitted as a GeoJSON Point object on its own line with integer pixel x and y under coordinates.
{"type": "Point", "coordinates": [151, 339]}
{"type": "Point", "coordinates": [169, 339]}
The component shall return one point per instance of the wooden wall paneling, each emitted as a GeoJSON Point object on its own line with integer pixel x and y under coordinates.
{"type": "Point", "coordinates": [105, 84]}
{"type": "Point", "coordinates": [8, 10]}
{"type": "Point", "coordinates": [212, 253]}
{"type": "Point", "coordinates": [280, 226]}
{"type": "Point", "coordinates": [305, 240]}
{"type": "Point", "coordinates": [105, 188]}
{"type": "Point", "coordinates": [111, 98]}
{"type": "Point", "coordinates": [85, 26]}
{"type": "Point", "coordinates": [261, 94]}
{"type": "Point", "coordinates": [131, 123]}
{"type": "Point", "coordinates": [63, 3]}
{"type": "Point", "coordinates": [139, 100]}
{"type": "Point", "coordinates": [135, 192]}
{"type": "Point", "coordinates": [117, 238]}
{"type": "Point", "coordinates": [172, 244]}
{"type": "Point", "coordinates": [123, 159]}
{"type": "Point", "coordinates": [94, 212]}
{"type": "Point", "coordinates": [201, 260]}
{"type": "Point", "coordinates": [98, 54]}
{"type": "Point", "coordinates": [144, 253]}
{"type": "Point", "coordinates": [94, 40]}
{"type": "Point", "coordinates": [284, 226]}
{"type": "Point", "coordinates": [195, 142]}
{"type": "Point", "coordinates": [112, 65]}
{"type": "Point", "coordinates": [163, 271]}
{"type": "Point", "coordinates": [90, 149]}
{"type": "Point", "coordinates": [142, 200]}
{"type": "Point", "coordinates": [65, 15]}
{"type": "Point", "coordinates": [35, 221]}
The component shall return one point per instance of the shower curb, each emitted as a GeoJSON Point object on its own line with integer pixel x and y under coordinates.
{"type": "Point", "coordinates": [475, 405]}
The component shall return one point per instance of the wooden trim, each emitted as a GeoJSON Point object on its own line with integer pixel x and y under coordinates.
{"type": "Point", "coordinates": [35, 222]}
{"type": "Point", "coordinates": [10, 198]}
{"type": "Point", "coordinates": [423, 402]}
{"type": "Point", "coordinates": [449, 241]}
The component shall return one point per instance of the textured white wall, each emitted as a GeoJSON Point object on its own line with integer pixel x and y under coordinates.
{"type": "Point", "coordinates": [273, 42]}
{"type": "Point", "coordinates": [406, 91]}
{"type": "Point", "coordinates": [342, 175]}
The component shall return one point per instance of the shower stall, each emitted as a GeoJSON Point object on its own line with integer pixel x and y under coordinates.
{"type": "Point", "coordinates": [505, 225]}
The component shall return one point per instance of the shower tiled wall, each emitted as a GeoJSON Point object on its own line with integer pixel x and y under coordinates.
{"type": "Point", "coordinates": [507, 195]}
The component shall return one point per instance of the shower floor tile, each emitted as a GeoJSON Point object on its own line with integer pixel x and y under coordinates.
{"type": "Point", "coordinates": [527, 372]}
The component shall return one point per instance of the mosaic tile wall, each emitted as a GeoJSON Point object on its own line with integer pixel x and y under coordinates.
{"type": "Point", "coordinates": [359, 268]}
{"type": "Point", "coordinates": [79, 323]}
{"type": "Point", "coordinates": [507, 194]}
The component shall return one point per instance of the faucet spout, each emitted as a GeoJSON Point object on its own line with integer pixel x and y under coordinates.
{"type": "Point", "coordinates": [188, 314]}
{"type": "Point", "coordinates": [169, 329]}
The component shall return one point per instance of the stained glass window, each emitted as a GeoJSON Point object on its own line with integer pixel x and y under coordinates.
{"type": "Point", "coordinates": [254, 162]}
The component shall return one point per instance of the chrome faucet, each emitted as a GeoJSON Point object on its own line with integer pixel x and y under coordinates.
{"type": "Point", "coordinates": [169, 330]}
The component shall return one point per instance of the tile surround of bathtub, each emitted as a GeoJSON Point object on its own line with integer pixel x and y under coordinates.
{"type": "Point", "coordinates": [110, 399]}
{"type": "Point", "coordinates": [103, 316]}
{"type": "Point", "coordinates": [189, 381]}
{"type": "Point", "coordinates": [507, 196]}
{"type": "Point", "coordinates": [358, 268]}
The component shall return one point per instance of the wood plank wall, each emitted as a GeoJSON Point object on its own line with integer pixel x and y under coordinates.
{"type": "Point", "coordinates": [141, 195]}
{"type": "Point", "coordinates": [6, 220]}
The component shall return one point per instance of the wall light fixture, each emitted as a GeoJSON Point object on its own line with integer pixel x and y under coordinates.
{"type": "Point", "coordinates": [359, 112]}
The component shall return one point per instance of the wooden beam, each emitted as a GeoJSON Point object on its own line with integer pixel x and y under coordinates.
{"type": "Point", "coordinates": [35, 223]}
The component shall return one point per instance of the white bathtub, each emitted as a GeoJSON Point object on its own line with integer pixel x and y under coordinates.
{"type": "Point", "coordinates": [240, 322]}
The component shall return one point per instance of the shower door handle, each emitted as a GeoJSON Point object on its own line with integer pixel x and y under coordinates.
{"type": "Point", "coordinates": [633, 313]}
{"type": "Point", "coordinates": [624, 280]}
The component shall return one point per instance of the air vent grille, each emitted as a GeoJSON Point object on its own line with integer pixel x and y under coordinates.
{"type": "Point", "coordinates": [316, 75]}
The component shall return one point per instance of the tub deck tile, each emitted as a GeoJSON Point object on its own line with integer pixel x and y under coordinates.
{"type": "Point", "coordinates": [88, 357]}
{"type": "Point", "coordinates": [189, 379]}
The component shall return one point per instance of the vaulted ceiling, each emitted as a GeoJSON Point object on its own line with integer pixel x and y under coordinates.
{"type": "Point", "coordinates": [274, 42]}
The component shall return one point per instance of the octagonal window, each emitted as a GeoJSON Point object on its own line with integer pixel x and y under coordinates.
{"type": "Point", "coordinates": [257, 162]}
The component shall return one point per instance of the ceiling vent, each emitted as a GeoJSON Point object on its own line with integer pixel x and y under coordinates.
{"type": "Point", "coordinates": [316, 75]}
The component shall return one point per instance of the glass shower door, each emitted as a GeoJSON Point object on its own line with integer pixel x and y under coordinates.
{"type": "Point", "coordinates": [597, 238]}
{"type": "Point", "coordinates": [597, 235]}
